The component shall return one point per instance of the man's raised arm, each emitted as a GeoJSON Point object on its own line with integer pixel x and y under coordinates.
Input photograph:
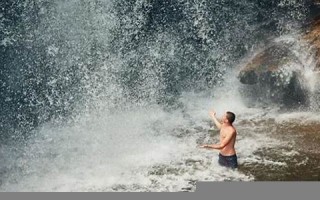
{"type": "Point", "coordinates": [215, 120]}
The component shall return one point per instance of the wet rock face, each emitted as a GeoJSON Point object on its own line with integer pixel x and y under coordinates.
{"type": "Point", "coordinates": [276, 74]}
{"type": "Point", "coordinates": [312, 36]}
{"type": "Point", "coordinates": [273, 76]}
{"type": "Point", "coordinates": [267, 63]}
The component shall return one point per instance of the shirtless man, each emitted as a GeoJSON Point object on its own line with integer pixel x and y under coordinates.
{"type": "Point", "coordinates": [228, 134]}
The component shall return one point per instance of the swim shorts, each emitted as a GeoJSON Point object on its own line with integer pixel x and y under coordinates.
{"type": "Point", "coordinates": [228, 161]}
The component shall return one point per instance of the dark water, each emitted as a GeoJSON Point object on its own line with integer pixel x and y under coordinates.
{"type": "Point", "coordinates": [300, 163]}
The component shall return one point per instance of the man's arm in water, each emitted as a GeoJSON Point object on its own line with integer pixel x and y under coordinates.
{"type": "Point", "coordinates": [224, 142]}
{"type": "Point", "coordinates": [215, 120]}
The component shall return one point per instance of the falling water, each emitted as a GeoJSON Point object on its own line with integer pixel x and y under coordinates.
{"type": "Point", "coordinates": [114, 95]}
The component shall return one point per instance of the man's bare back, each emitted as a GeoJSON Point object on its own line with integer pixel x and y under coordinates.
{"type": "Point", "coordinates": [228, 135]}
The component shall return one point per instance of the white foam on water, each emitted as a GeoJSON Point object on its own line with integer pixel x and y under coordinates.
{"type": "Point", "coordinates": [300, 117]}
{"type": "Point", "coordinates": [120, 150]}
{"type": "Point", "coordinates": [105, 151]}
{"type": "Point", "coordinates": [95, 152]}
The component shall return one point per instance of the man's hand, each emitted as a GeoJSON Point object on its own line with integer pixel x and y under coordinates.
{"type": "Point", "coordinates": [215, 120]}
{"type": "Point", "coordinates": [212, 113]}
{"type": "Point", "coordinates": [206, 146]}
{"type": "Point", "coordinates": [210, 146]}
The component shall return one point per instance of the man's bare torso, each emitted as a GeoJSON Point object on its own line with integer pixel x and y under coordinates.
{"type": "Point", "coordinates": [229, 149]}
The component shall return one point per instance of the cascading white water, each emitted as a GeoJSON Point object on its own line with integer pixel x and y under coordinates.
{"type": "Point", "coordinates": [123, 94]}
{"type": "Point", "coordinates": [306, 65]}
{"type": "Point", "coordinates": [136, 150]}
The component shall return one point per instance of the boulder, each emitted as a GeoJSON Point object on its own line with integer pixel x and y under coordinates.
{"type": "Point", "coordinates": [269, 62]}
{"type": "Point", "coordinates": [312, 36]}
{"type": "Point", "coordinates": [276, 74]}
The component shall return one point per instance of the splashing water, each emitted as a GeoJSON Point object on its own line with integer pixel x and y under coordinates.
{"type": "Point", "coordinates": [114, 95]}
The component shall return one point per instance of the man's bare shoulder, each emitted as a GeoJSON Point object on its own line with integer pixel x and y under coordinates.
{"type": "Point", "coordinates": [231, 130]}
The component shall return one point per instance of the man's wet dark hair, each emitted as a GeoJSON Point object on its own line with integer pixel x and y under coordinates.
{"type": "Point", "coordinates": [231, 117]}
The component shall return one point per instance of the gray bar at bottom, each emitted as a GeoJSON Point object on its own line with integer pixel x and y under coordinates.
{"type": "Point", "coordinates": [259, 190]}
{"type": "Point", "coordinates": [205, 190]}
